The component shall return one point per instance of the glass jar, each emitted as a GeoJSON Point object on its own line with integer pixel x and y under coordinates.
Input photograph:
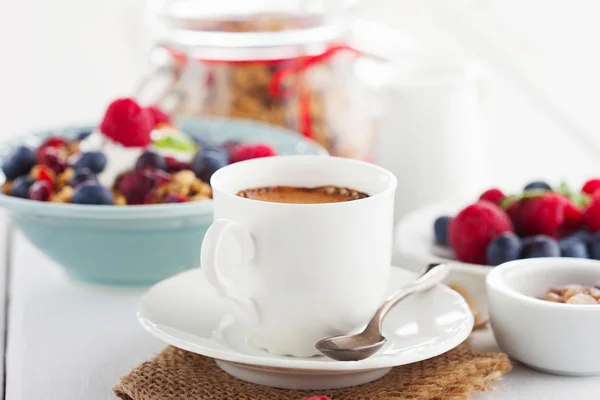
{"type": "Point", "coordinates": [287, 63]}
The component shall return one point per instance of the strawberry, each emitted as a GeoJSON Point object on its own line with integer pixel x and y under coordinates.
{"type": "Point", "coordinates": [158, 116]}
{"type": "Point", "coordinates": [474, 228]}
{"type": "Point", "coordinates": [540, 215]}
{"type": "Point", "coordinates": [244, 152]}
{"type": "Point", "coordinates": [591, 216]}
{"type": "Point", "coordinates": [493, 195]}
{"type": "Point", "coordinates": [127, 123]}
{"type": "Point", "coordinates": [591, 186]}
{"type": "Point", "coordinates": [573, 218]}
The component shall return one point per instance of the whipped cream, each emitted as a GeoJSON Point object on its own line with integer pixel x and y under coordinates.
{"type": "Point", "coordinates": [119, 158]}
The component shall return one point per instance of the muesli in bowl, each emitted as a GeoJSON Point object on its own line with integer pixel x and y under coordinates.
{"type": "Point", "coordinates": [136, 156]}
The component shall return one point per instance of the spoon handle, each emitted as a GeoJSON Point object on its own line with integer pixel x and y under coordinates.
{"type": "Point", "coordinates": [429, 279]}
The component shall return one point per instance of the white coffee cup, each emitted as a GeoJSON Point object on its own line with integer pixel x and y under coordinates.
{"type": "Point", "coordinates": [297, 273]}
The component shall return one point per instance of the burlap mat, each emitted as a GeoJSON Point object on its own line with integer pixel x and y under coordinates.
{"type": "Point", "coordinates": [175, 374]}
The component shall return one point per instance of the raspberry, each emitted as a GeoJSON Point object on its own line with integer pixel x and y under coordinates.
{"type": "Point", "coordinates": [474, 228]}
{"type": "Point", "coordinates": [591, 216]}
{"type": "Point", "coordinates": [542, 215]}
{"type": "Point", "coordinates": [158, 116]}
{"type": "Point", "coordinates": [493, 195]}
{"type": "Point", "coordinates": [591, 186]}
{"type": "Point", "coordinates": [127, 123]}
{"type": "Point", "coordinates": [245, 152]}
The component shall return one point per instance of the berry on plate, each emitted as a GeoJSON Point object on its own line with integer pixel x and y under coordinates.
{"type": "Point", "coordinates": [53, 158]}
{"type": "Point", "coordinates": [95, 161]}
{"type": "Point", "coordinates": [537, 185]}
{"type": "Point", "coordinates": [126, 122]}
{"type": "Point", "coordinates": [82, 175]}
{"type": "Point", "coordinates": [158, 116]}
{"type": "Point", "coordinates": [503, 248]}
{"type": "Point", "coordinates": [440, 230]}
{"type": "Point", "coordinates": [19, 163]}
{"type": "Point", "coordinates": [40, 191]}
{"type": "Point", "coordinates": [207, 161]}
{"type": "Point", "coordinates": [93, 194]}
{"type": "Point", "coordinates": [594, 246]}
{"type": "Point", "coordinates": [493, 195]}
{"type": "Point", "coordinates": [541, 215]}
{"type": "Point", "coordinates": [540, 246]}
{"type": "Point", "coordinates": [54, 141]}
{"type": "Point", "coordinates": [573, 246]}
{"type": "Point", "coordinates": [474, 228]}
{"type": "Point", "coordinates": [591, 216]}
{"type": "Point", "coordinates": [245, 152]}
{"type": "Point", "coordinates": [20, 187]}
{"type": "Point", "coordinates": [591, 186]}
{"type": "Point", "coordinates": [150, 160]}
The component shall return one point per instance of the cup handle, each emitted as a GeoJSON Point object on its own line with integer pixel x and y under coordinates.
{"type": "Point", "coordinates": [212, 246]}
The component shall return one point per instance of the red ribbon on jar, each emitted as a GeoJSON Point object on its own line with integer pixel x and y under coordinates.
{"type": "Point", "coordinates": [287, 68]}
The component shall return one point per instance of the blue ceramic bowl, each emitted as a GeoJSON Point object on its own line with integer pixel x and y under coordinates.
{"type": "Point", "coordinates": [134, 245]}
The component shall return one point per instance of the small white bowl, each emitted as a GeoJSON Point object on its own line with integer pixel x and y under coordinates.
{"type": "Point", "coordinates": [561, 339]}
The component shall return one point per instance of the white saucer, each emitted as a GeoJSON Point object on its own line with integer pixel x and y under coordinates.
{"type": "Point", "coordinates": [185, 312]}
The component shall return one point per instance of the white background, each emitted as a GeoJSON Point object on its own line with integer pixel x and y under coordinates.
{"type": "Point", "coordinates": [64, 60]}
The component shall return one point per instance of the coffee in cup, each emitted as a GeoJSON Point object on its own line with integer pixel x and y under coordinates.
{"type": "Point", "coordinates": [302, 195]}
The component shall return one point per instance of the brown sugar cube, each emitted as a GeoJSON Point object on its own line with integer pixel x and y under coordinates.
{"type": "Point", "coordinates": [581, 298]}
{"type": "Point", "coordinates": [553, 297]}
{"type": "Point", "coordinates": [7, 187]}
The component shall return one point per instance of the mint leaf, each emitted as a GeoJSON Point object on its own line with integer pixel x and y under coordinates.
{"type": "Point", "coordinates": [174, 143]}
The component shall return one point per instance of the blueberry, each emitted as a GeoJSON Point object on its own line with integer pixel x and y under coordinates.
{"type": "Point", "coordinates": [94, 160]}
{"type": "Point", "coordinates": [20, 187]}
{"type": "Point", "coordinates": [440, 229]}
{"type": "Point", "coordinates": [540, 246]}
{"type": "Point", "coordinates": [585, 236]}
{"type": "Point", "coordinates": [573, 247]}
{"type": "Point", "coordinates": [207, 162]}
{"type": "Point", "coordinates": [594, 246]}
{"type": "Point", "coordinates": [537, 185]}
{"type": "Point", "coordinates": [92, 193]}
{"type": "Point", "coordinates": [505, 247]}
{"type": "Point", "coordinates": [19, 163]}
{"type": "Point", "coordinates": [150, 160]}
{"type": "Point", "coordinates": [83, 134]}
{"type": "Point", "coordinates": [82, 175]}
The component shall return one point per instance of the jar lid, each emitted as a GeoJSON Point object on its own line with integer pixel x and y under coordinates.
{"type": "Point", "coordinates": [247, 24]}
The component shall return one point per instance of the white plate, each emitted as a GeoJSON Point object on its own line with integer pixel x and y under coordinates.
{"type": "Point", "coordinates": [414, 238]}
{"type": "Point", "coordinates": [184, 311]}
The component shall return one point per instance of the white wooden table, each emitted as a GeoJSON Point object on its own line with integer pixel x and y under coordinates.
{"type": "Point", "coordinates": [71, 341]}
